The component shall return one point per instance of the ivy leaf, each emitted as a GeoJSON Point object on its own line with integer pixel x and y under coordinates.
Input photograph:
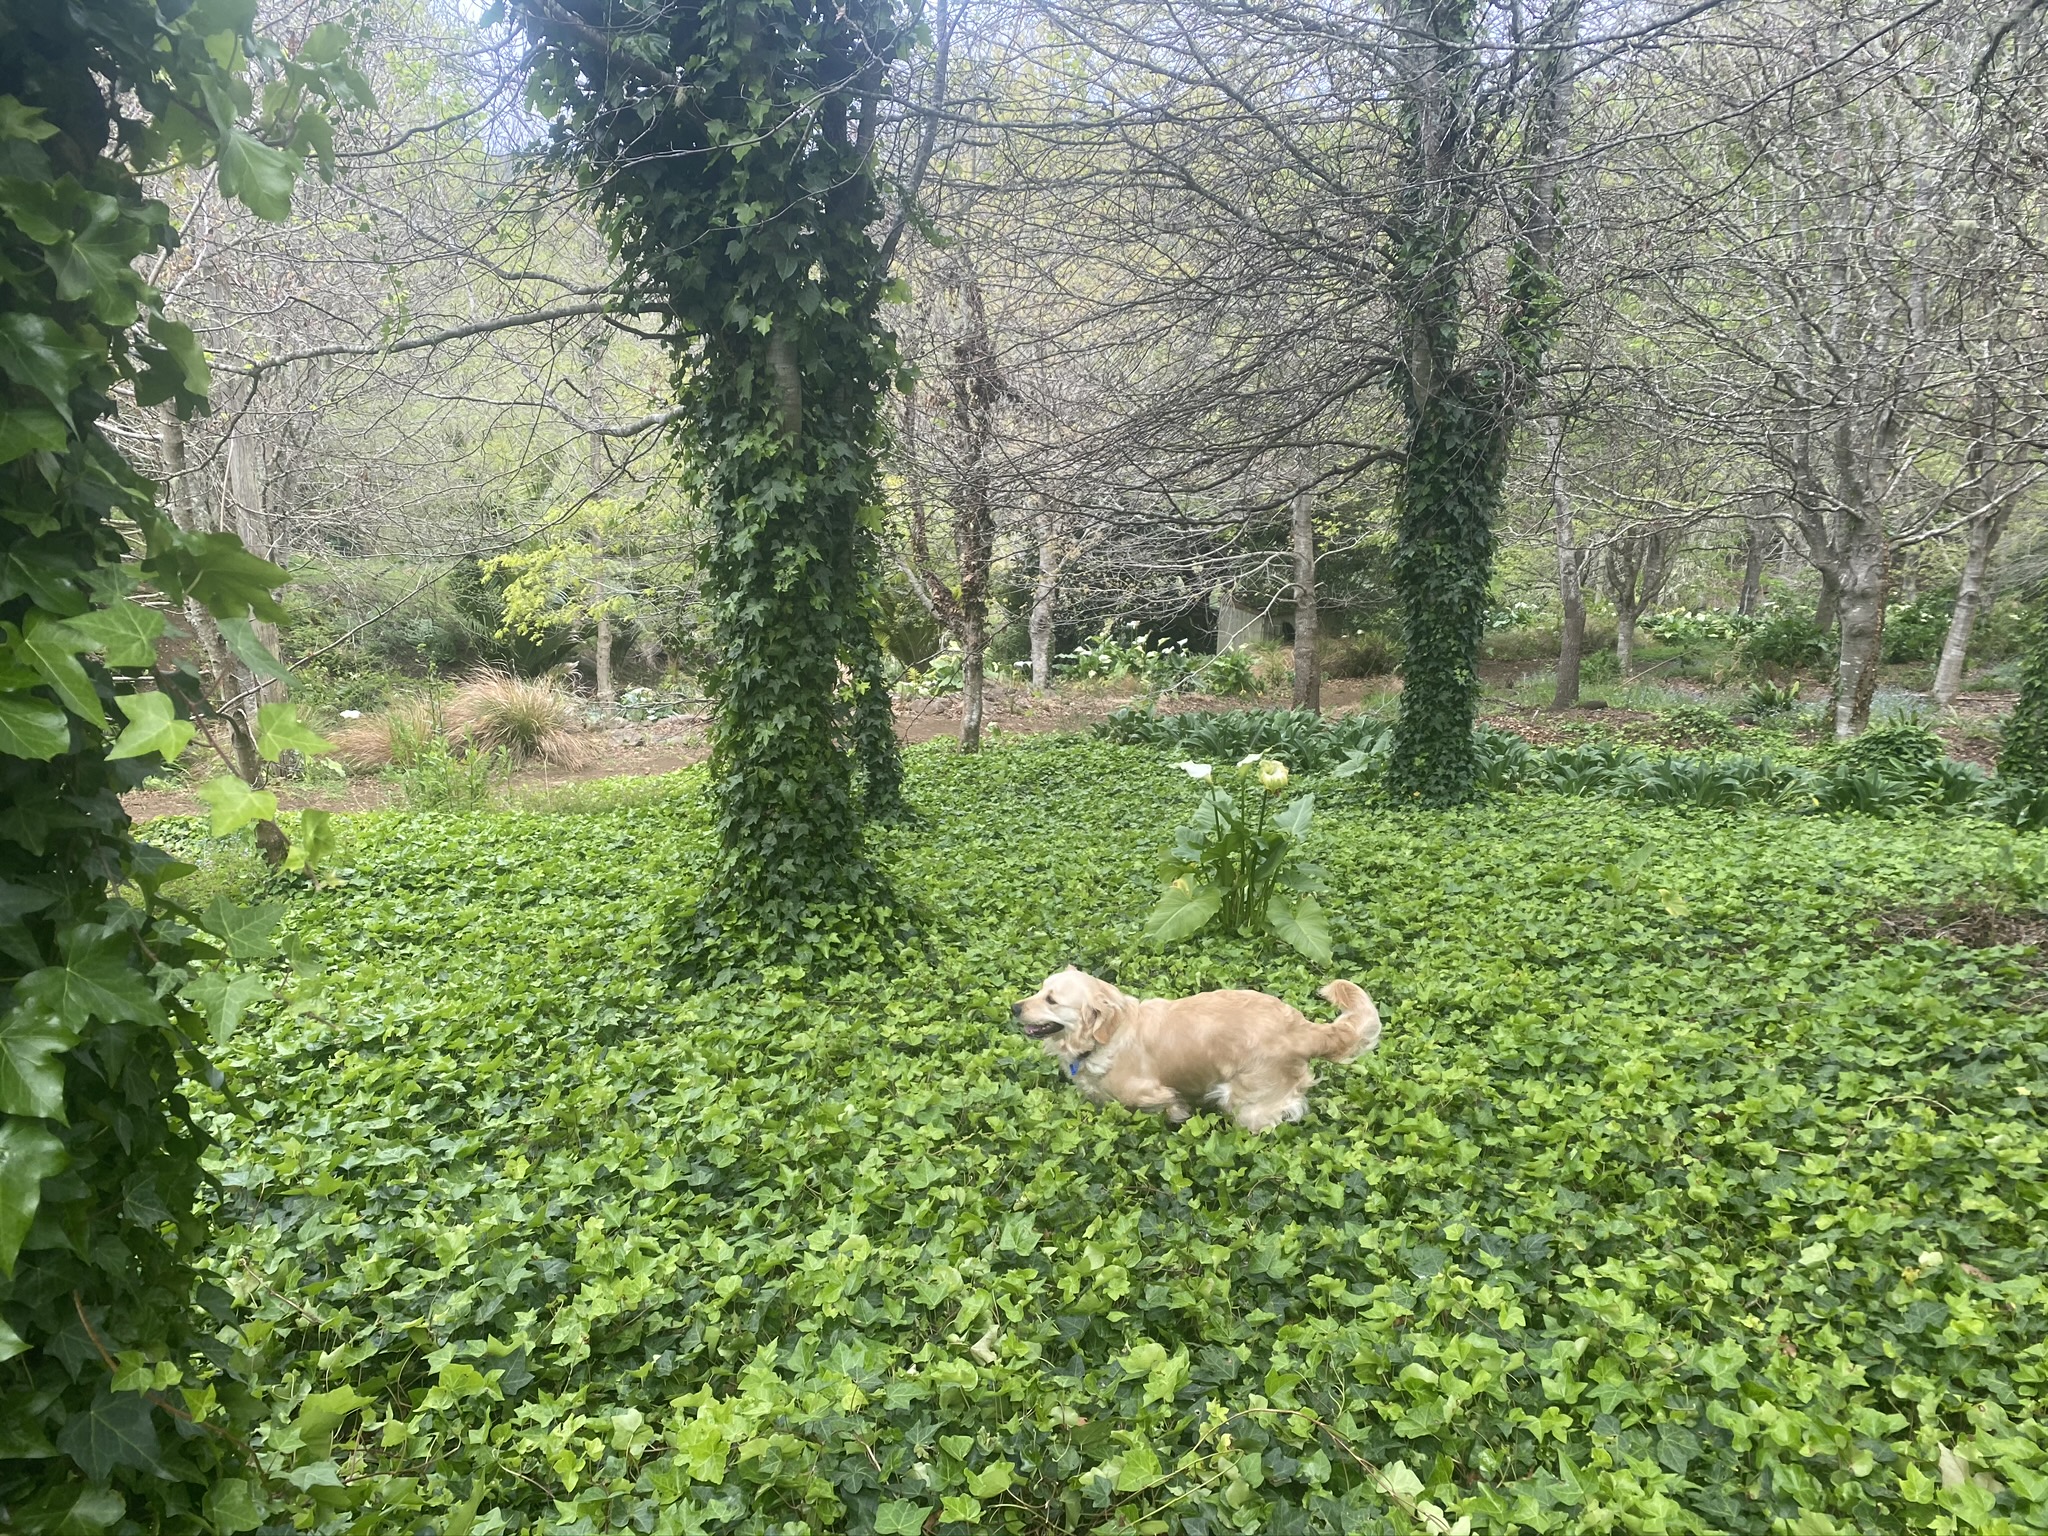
{"type": "Point", "coordinates": [321, 1412]}
{"type": "Point", "coordinates": [246, 931]}
{"type": "Point", "coordinates": [31, 430]}
{"type": "Point", "coordinates": [219, 573]}
{"type": "Point", "coordinates": [39, 354]}
{"type": "Point", "coordinates": [898, 1517]}
{"type": "Point", "coordinates": [232, 1507]}
{"type": "Point", "coordinates": [71, 1509]}
{"type": "Point", "coordinates": [32, 728]}
{"type": "Point", "coordinates": [96, 982]}
{"type": "Point", "coordinates": [278, 731]}
{"type": "Point", "coordinates": [118, 1430]}
{"type": "Point", "coordinates": [127, 632]}
{"type": "Point", "coordinates": [1182, 911]}
{"type": "Point", "coordinates": [234, 805]}
{"type": "Point", "coordinates": [20, 121]}
{"type": "Point", "coordinates": [51, 646]}
{"type": "Point", "coordinates": [257, 176]}
{"type": "Point", "coordinates": [29, 1154]}
{"type": "Point", "coordinates": [31, 1077]}
{"type": "Point", "coordinates": [1299, 921]}
{"type": "Point", "coordinates": [153, 726]}
{"type": "Point", "coordinates": [315, 845]}
{"type": "Point", "coordinates": [240, 635]}
{"type": "Point", "coordinates": [224, 999]}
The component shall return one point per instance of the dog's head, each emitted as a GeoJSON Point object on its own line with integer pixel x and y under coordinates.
{"type": "Point", "coordinates": [1072, 1013]}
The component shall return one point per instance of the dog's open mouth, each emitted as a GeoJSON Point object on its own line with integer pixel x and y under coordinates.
{"type": "Point", "coordinates": [1041, 1031]}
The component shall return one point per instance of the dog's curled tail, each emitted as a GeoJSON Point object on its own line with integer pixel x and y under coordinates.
{"type": "Point", "coordinates": [1357, 1028]}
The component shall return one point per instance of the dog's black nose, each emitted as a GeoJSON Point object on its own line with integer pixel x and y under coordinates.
{"type": "Point", "coordinates": [1016, 1010]}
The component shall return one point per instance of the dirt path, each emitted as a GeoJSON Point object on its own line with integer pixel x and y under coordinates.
{"type": "Point", "coordinates": [629, 749]}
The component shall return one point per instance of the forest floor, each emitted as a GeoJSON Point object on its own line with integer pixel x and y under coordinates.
{"type": "Point", "coordinates": [640, 749]}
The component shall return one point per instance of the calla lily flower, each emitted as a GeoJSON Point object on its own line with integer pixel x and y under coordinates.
{"type": "Point", "coordinates": [1251, 759]}
{"type": "Point", "coordinates": [1273, 776]}
{"type": "Point", "coordinates": [1199, 772]}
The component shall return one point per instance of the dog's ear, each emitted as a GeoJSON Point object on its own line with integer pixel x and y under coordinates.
{"type": "Point", "coordinates": [1101, 1013]}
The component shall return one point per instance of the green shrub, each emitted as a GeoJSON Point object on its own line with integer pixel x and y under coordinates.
{"type": "Point", "coordinates": [1228, 674]}
{"type": "Point", "coordinates": [1238, 861]}
{"type": "Point", "coordinates": [1698, 724]}
{"type": "Point", "coordinates": [1766, 700]}
{"type": "Point", "coordinates": [1787, 641]}
{"type": "Point", "coordinates": [2024, 753]}
{"type": "Point", "coordinates": [1905, 750]}
{"type": "Point", "coordinates": [1914, 631]}
{"type": "Point", "coordinates": [437, 778]}
{"type": "Point", "coordinates": [1365, 654]}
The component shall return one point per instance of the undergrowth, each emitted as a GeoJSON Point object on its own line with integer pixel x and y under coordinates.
{"type": "Point", "coordinates": [1679, 1197]}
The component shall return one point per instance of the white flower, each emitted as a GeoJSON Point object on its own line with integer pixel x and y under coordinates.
{"type": "Point", "coordinates": [1199, 772]}
{"type": "Point", "coordinates": [1273, 777]}
{"type": "Point", "coordinates": [1251, 761]}
{"type": "Point", "coordinates": [351, 714]}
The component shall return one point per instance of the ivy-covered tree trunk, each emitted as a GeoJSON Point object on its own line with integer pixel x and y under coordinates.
{"type": "Point", "coordinates": [1461, 404]}
{"type": "Point", "coordinates": [1443, 567]}
{"type": "Point", "coordinates": [729, 147]}
{"type": "Point", "coordinates": [114, 1412]}
{"type": "Point", "coordinates": [2024, 752]}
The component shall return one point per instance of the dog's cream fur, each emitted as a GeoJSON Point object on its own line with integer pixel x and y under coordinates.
{"type": "Point", "coordinates": [1242, 1052]}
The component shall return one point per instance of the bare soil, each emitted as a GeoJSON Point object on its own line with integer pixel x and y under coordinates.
{"type": "Point", "coordinates": [644, 748]}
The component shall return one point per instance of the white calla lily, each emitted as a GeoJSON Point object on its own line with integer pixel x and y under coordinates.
{"type": "Point", "coordinates": [1199, 772]}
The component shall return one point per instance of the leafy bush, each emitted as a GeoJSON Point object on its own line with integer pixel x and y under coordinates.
{"type": "Point", "coordinates": [1766, 700]}
{"type": "Point", "coordinates": [1905, 750]}
{"type": "Point", "coordinates": [941, 675]}
{"type": "Point", "coordinates": [1228, 674]}
{"type": "Point", "coordinates": [1117, 651]}
{"type": "Point", "coordinates": [1689, 628]}
{"type": "Point", "coordinates": [1699, 724]}
{"type": "Point", "coordinates": [1914, 631]}
{"type": "Point", "coordinates": [2019, 803]}
{"type": "Point", "coordinates": [2024, 753]}
{"type": "Point", "coordinates": [1239, 860]}
{"type": "Point", "coordinates": [1308, 742]}
{"type": "Point", "coordinates": [1787, 641]}
{"type": "Point", "coordinates": [1867, 792]}
{"type": "Point", "coordinates": [1366, 654]}
{"type": "Point", "coordinates": [435, 777]}
{"type": "Point", "coordinates": [1698, 1170]}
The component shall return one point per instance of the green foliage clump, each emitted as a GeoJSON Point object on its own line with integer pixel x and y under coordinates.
{"type": "Point", "coordinates": [1915, 631]}
{"type": "Point", "coordinates": [1305, 741]}
{"type": "Point", "coordinates": [1238, 861]}
{"type": "Point", "coordinates": [730, 153]}
{"type": "Point", "coordinates": [1905, 749]}
{"type": "Point", "coordinates": [2024, 753]}
{"type": "Point", "coordinates": [1788, 642]}
{"type": "Point", "coordinates": [1676, 1190]}
{"type": "Point", "coordinates": [116, 1410]}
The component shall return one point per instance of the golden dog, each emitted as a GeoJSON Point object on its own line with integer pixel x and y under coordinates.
{"type": "Point", "coordinates": [1242, 1052]}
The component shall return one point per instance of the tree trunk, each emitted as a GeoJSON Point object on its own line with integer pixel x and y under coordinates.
{"type": "Point", "coordinates": [1625, 640]}
{"type": "Point", "coordinates": [1955, 646]}
{"type": "Point", "coordinates": [604, 657]}
{"type": "Point", "coordinates": [1751, 597]}
{"type": "Point", "coordinates": [1044, 594]}
{"type": "Point", "coordinates": [1827, 611]}
{"type": "Point", "coordinates": [1571, 644]}
{"type": "Point", "coordinates": [1864, 577]}
{"type": "Point", "coordinates": [973, 649]}
{"type": "Point", "coordinates": [1308, 674]}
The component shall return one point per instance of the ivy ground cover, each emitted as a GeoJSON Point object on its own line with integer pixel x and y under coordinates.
{"type": "Point", "coordinates": [1678, 1197]}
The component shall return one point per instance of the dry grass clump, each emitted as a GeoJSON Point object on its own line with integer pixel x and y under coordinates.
{"type": "Point", "coordinates": [530, 721]}
{"type": "Point", "coordinates": [393, 737]}
{"type": "Point", "coordinates": [492, 712]}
